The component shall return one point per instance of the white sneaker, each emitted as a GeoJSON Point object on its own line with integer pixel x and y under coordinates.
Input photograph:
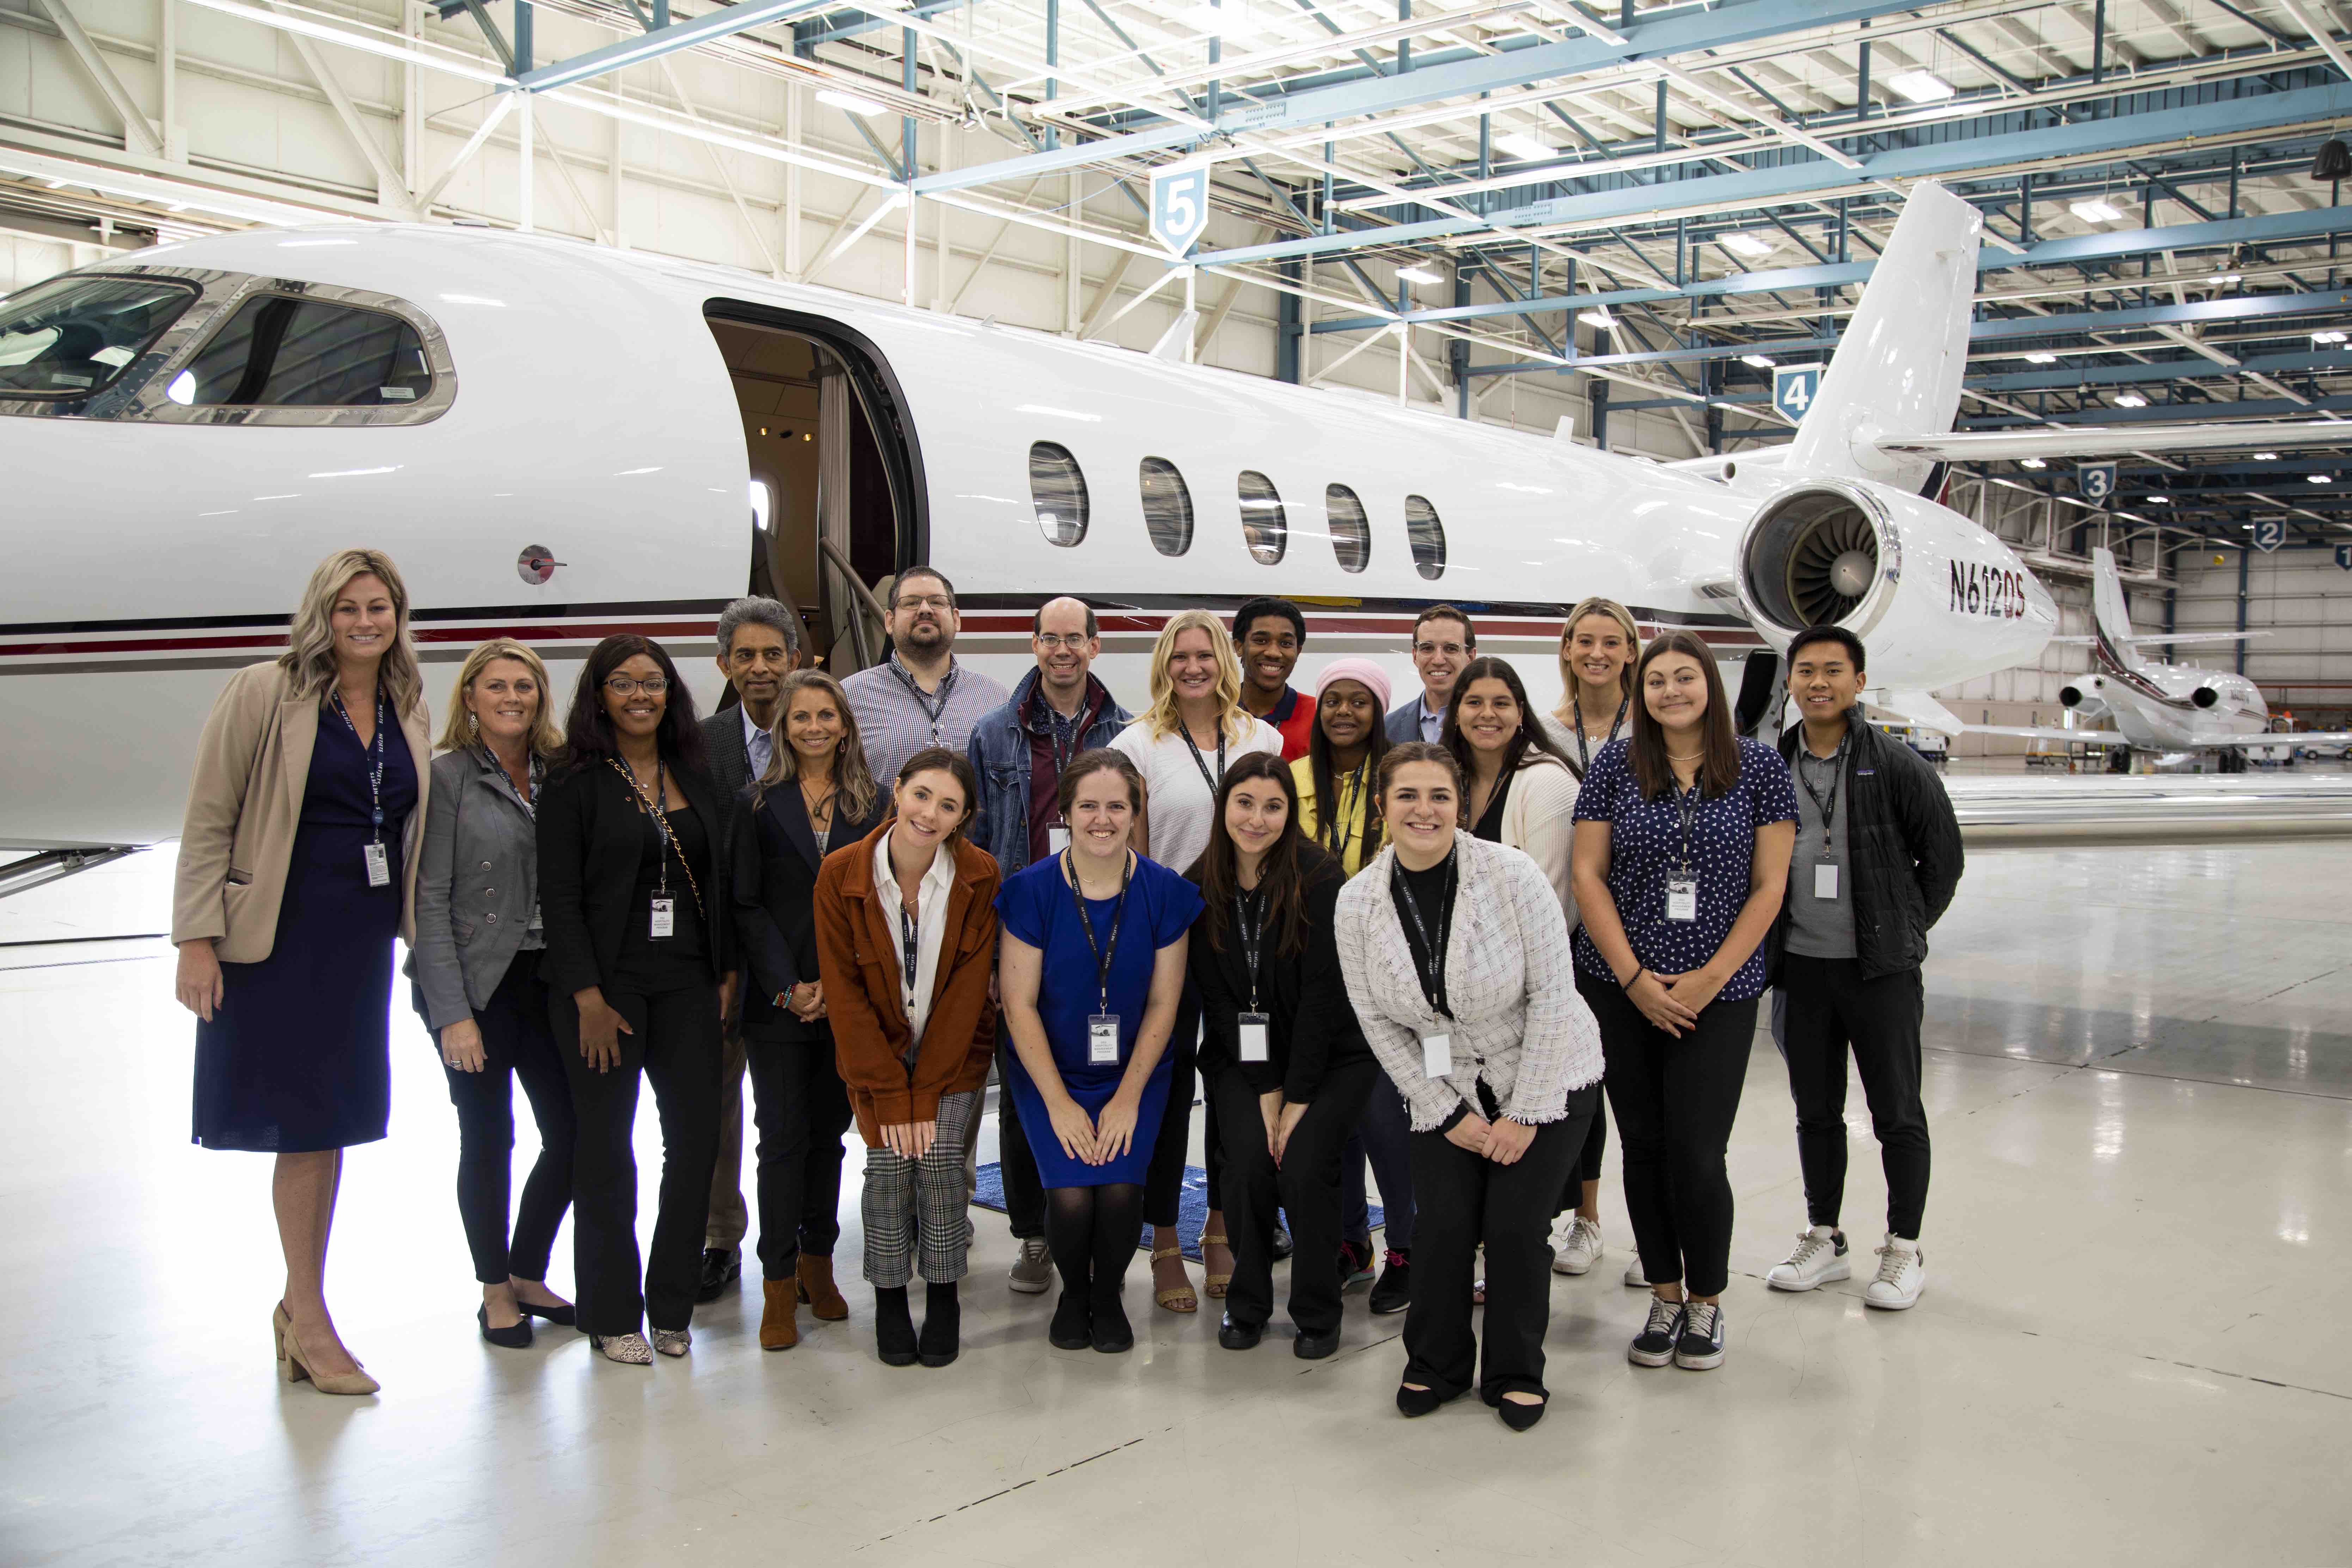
{"type": "Point", "coordinates": [1576, 1246]}
{"type": "Point", "coordinates": [1902, 1275]}
{"type": "Point", "coordinates": [1820, 1257]}
{"type": "Point", "coordinates": [1633, 1275]}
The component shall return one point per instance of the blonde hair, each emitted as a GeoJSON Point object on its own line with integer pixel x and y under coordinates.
{"type": "Point", "coordinates": [544, 738]}
{"type": "Point", "coordinates": [1160, 719]}
{"type": "Point", "coordinates": [309, 660]}
{"type": "Point", "coordinates": [853, 781]}
{"type": "Point", "coordinates": [1585, 610]}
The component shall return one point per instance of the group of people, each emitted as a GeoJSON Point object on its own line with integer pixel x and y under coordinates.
{"type": "Point", "coordinates": [1419, 939]}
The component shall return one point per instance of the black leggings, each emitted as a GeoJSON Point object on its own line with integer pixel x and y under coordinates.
{"type": "Point", "coordinates": [1587, 1163]}
{"type": "Point", "coordinates": [1305, 1186]}
{"type": "Point", "coordinates": [1092, 1232]}
{"type": "Point", "coordinates": [516, 1044]}
{"type": "Point", "coordinates": [1675, 1098]}
{"type": "Point", "coordinates": [1163, 1180]}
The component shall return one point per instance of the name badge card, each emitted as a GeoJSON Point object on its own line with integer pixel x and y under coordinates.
{"type": "Point", "coordinates": [1057, 840]}
{"type": "Point", "coordinates": [1436, 1054]}
{"type": "Point", "coordinates": [1825, 879]}
{"type": "Point", "coordinates": [1102, 1040]}
{"type": "Point", "coordinates": [664, 918]}
{"type": "Point", "coordinates": [1253, 1035]}
{"type": "Point", "coordinates": [1682, 899]}
{"type": "Point", "coordinates": [379, 865]}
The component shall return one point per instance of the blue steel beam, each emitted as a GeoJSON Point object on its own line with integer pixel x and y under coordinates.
{"type": "Point", "coordinates": [724, 22]}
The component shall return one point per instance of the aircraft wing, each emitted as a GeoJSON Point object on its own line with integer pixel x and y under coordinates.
{"type": "Point", "coordinates": [2063, 737]}
{"type": "Point", "coordinates": [2170, 636]}
{"type": "Point", "coordinates": [2115, 441]}
{"type": "Point", "coordinates": [2277, 738]}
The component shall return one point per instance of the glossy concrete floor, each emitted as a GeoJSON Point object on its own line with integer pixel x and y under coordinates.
{"type": "Point", "coordinates": [2140, 1078]}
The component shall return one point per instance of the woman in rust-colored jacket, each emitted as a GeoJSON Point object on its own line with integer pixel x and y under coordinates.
{"type": "Point", "coordinates": [906, 938]}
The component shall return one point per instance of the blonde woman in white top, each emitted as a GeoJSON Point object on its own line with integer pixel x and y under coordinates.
{"type": "Point", "coordinates": [1181, 745]}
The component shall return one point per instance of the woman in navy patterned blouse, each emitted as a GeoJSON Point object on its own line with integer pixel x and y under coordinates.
{"type": "Point", "coordinates": [1683, 836]}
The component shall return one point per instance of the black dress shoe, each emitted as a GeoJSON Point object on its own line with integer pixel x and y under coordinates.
{"type": "Point", "coordinates": [564, 1317]}
{"type": "Point", "coordinates": [721, 1266]}
{"type": "Point", "coordinates": [1519, 1417]}
{"type": "Point", "coordinates": [1239, 1336]}
{"type": "Point", "coordinates": [942, 1324]}
{"type": "Point", "coordinates": [1112, 1333]}
{"type": "Point", "coordinates": [517, 1338]}
{"type": "Point", "coordinates": [1392, 1292]}
{"type": "Point", "coordinates": [894, 1328]}
{"type": "Point", "coordinates": [1073, 1328]}
{"type": "Point", "coordinates": [1282, 1246]}
{"type": "Point", "coordinates": [1314, 1347]}
{"type": "Point", "coordinates": [1422, 1401]}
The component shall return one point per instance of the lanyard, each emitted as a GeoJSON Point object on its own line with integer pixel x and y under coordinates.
{"type": "Point", "coordinates": [1340, 827]}
{"type": "Point", "coordinates": [1432, 957]}
{"type": "Point", "coordinates": [1249, 925]}
{"type": "Point", "coordinates": [1202, 763]}
{"type": "Point", "coordinates": [661, 824]}
{"type": "Point", "coordinates": [1837, 776]}
{"type": "Point", "coordinates": [910, 934]}
{"type": "Point", "coordinates": [1103, 955]}
{"type": "Point", "coordinates": [1686, 800]}
{"type": "Point", "coordinates": [375, 753]}
{"type": "Point", "coordinates": [1583, 748]}
{"type": "Point", "coordinates": [537, 775]}
{"type": "Point", "coordinates": [934, 708]}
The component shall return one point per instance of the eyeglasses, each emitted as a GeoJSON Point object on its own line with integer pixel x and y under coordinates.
{"type": "Point", "coordinates": [625, 686]}
{"type": "Point", "coordinates": [927, 602]}
{"type": "Point", "coordinates": [1051, 642]}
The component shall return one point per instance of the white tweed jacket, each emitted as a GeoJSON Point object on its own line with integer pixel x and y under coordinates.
{"type": "Point", "coordinates": [1519, 1025]}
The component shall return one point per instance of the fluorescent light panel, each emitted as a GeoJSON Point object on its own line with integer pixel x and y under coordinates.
{"type": "Point", "coordinates": [1748, 245]}
{"type": "Point", "coordinates": [851, 101]}
{"type": "Point", "coordinates": [2131, 400]}
{"type": "Point", "coordinates": [1419, 275]}
{"type": "Point", "coordinates": [2097, 209]}
{"type": "Point", "coordinates": [1520, 144]}
{"type": "Point", "coordinates": [1920, 86]}
{"type": "Point", "coordinates": [1759, 361]}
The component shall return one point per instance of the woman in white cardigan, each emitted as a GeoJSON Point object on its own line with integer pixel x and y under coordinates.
{"type": "Point", "coordinates": [1457, 959]}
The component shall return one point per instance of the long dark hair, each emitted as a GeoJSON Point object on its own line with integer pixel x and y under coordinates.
{"type": "Point", "coordinates": [588, 733]}
{"type": "Point", "coordinates": [1531, 736]}
{"type": "Point", "coordinates": [1281, 878]}
{"type": "Point", "coordinates": [941, 760]}
{"type": "Point", "coordinates": [1329, 831]}
{"type": "Point", "coordinates": [1718, 765]}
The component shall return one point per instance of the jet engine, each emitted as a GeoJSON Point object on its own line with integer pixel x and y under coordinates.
{"type": "Point", "coordinates": [2086, 697]}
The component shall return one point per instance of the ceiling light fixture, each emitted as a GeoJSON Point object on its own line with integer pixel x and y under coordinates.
{"type": "Point", "coordinates": [1226, 21]}
{"type": "Point", "coordinates": [2097, 209]}
{"type": "Point", "coordinates": [851, 101]}
{"type": "Point", "coordinates": [2265, 457]}
{"type": "Point", "coordinates": [1419, 275]}
{"type": "Point", "coordinates": [1748, 245]}
{"type": "Point", "coordinates": [2327, 336]}
{"type": "Point", "coordinates": [2320, 479]}
{"type": "Point", "coordinates": [2131, 400]}
{"type": "Point", "coordinates": [2225, 278]}
{"type": "Point", "coordinates": [1599, 317]}
{"type": "Point", "coordinates": [1759, 361]}
{"type": "Point", "coordinates": [2040, 357]}
{"type": "Point", "coordinates": [2033, 462]}
{"type": "Point", "coordinates": [1921, 86]}
{"type": "Point", "coordinates": [1519, 144]}
{"type": "Point", "coordinates": [2159, 500]}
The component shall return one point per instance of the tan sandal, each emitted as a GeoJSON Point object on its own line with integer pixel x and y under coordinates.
{"type": "Point", "coordinates": [1216, 1283]}
{"type": "Point", "coordinates": [1176, 1297]}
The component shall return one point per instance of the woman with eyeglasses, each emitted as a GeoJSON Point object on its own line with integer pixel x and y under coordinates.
{"type": "Point", "coordinates": [640, 957]}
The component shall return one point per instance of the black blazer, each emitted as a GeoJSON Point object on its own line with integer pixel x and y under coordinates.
{"type": "Point", "coordinates": [775, 866]}
{"type": "Point", "coordinates": [1314, 1028]}
{"type": "Point", "coordinates": [591, 838]}
{"type": "Point", "coordinates": [731, 763]}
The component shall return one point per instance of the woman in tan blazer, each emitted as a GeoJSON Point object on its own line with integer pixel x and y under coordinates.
{"type": "Point", "coordinates": [906, 938]}
{"type": "Point", "coordinates": [297, 867]}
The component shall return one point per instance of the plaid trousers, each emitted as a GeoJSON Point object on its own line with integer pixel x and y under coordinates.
{"type": "Point", "coordinates": [917, 1212]}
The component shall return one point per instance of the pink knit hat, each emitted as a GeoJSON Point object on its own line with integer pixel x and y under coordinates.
{"type": "Point", "coordinates": [1357, 669]}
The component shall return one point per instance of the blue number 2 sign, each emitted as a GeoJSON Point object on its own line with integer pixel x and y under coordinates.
{"type": "Point", "coordinates": [1794, 387]}
{"type": "Point", "coordinates": [1180, 205]}
{"type": "Point", "coordinates": [2270, 532]}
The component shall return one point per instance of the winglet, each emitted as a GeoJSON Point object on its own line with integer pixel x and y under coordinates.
{"type": "Point", "coordinates": [1175, 344]}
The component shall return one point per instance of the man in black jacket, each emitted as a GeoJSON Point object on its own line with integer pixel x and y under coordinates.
{"type": "Point", "coordinates": [1876, 861]}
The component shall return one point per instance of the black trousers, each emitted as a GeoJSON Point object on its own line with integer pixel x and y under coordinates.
{"type": "Point", "coordinates": [1831, 1009]}
{"type": "Point", "coordinates": [1676, 1098]}
{"type": "Point", "coordinates": [1305, 1187]}
{"type": "Point", "coordinates": [1587, 1163]}
{"type": "Point", "coordinates": [516, 1044]}
{"type": "Point", "coordinates": [675, 1048]}
{"type": "Point", "coordinates": [802, 1112]}
{"type": "Point", "coordinates": [1163, 1180]}
{"type": "Point", "coordinates": [1464, 1200]}
{"type": "Point", "coordinates": [1024, 1191]}
{"type": "Point", "coordinates": [1384, 1136]}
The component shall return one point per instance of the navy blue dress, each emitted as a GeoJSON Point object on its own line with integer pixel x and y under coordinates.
{"type": "Point", "coordinates": [297, 1055]}
{"type": "Point", "coordinates": [1035, 905]}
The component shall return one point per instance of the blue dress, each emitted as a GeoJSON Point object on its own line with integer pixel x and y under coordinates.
{"type": "Point", "coordinates": [1035, 905]}
{"type": "Point", "coordinates": [297, 1055]}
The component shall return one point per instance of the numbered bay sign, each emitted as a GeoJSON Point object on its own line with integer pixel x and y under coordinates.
{"type": "Point", "coordinates": [1794, 387]}
{"type": "Point", "coordinates": [2344, 556]}
{"type": "Point", "coordinates": [1180, 205]}
{"type": "Point", "coordinates": [2095, 480]}
{"type": "Point", "coordinates": [2270, 532]}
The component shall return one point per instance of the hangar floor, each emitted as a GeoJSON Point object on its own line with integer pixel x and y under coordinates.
{"type": "Point", "coordinates": [2141, 1087]}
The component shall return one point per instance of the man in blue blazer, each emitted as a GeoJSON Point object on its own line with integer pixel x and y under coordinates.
{"type": "Point", "coordinates": [1443, 644]}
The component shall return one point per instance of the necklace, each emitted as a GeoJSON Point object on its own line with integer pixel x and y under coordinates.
{"type": "Point", "coordinates": [1686, 756]}
{"type": "Point", "coordinates": [819, 807]}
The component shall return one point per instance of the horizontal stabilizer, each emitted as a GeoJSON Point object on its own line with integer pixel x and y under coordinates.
{"type": "Point", "coordinates": [2119, 441]}
{"type": "Point", "coordinates": [2170, 638]}
{"type": "Point", "coordinates": [1915, 709]}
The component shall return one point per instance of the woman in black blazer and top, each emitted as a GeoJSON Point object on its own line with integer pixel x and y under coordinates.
{"type": "Point", "coordinates": [640, 955]}
{"type": "Point", "coordinates": [816, 796]}
{"type": "Point", "coordinates": [1285, 1062]}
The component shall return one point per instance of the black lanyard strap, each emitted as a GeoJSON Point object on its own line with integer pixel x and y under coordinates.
{"type": "Point", "coordinates": [1583, 747]}
{"type": "Point", "coordinates": [374, 751]}
{"type": "Point", "coordinates": [1686, 800]}
{"type": "Point", "coordinates": [1103, 955]}
{"type": "Point", "coordinates": [661, 824]}
{"type": "Point", "coordinates": [1249, 926]}
{"type": "Point", "coordinates": [1349, 792]}
{"type": "Point", "coordinates": [934, 708]}
{"type": "Point", "coordinates": [1828, 809]}
{"type": "Point", "coordinates": [1200, 762]}
{"type": "Point", "coordinates": [910, 934]}
{"type": "Point", "coordinates": [1431, 956]}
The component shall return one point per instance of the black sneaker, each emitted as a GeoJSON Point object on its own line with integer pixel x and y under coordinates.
{"type": "Point", "coordinates": [1393, 1291]}
{"type": "Point", "coordinates": [721, 1266]}
{"type": "Point", "coordinates": [1355, 1264]}
{"type": "Point", "coordinates": [1654, 1345]}
{"type": "Point", "coordinates": [1700, 1344]}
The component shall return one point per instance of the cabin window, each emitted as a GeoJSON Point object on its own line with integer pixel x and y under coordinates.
{"type": "Point", "coordinates": [1351, 530]}
{"type": "Point", "coordinates": [278, 352]}
{"type": "Point", "coordinates": [1166, 507]}
{"type": "Point", "coordinates": [1426, 534]}
{"type": "Point", "coordinates": [72, 336]}
{"type": "Point", "coordinates": [1060, 492]}
{"type": "Point", "coordinates": [1264, 527]}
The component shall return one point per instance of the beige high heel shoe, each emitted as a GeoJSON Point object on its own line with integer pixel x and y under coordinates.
{"type": "Point", "coordinates": [294, 1369]}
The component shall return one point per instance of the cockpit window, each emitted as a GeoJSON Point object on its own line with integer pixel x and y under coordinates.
{"type": "Point", "coordinates": [71, 336]}
{"type": "Point", "coordinates": [282, 352]}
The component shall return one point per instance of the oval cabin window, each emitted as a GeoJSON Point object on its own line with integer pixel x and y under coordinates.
{"type": "Point", "coordinates": [1060, 492]}
{"type": "Point", "coordinates": [1166, 507]}
{"type": "Point", "coordinates": [1351, 530]}
{"type": "Point", "coordinates": [1264, 527]}
{"type": "Point", "coordinates": [1426, 535]}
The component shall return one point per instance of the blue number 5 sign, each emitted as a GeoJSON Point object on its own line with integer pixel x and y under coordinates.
{"type": "Point", "coordinates": [1180, 205]}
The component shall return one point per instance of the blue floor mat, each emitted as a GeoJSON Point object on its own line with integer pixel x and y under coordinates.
{"type": "Point", "coordinates": [1191, 1209]}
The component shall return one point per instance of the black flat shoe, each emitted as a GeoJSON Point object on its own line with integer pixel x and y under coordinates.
{"type": "Point", "coordinates": [1422, 1401]}
{"type": "Point", "coordinates": [517, 1338]}
{"type": "Point", "coordinates": [1239, 1336]}
{"type": "Point", "coordinates": [1073, 1328]}
{"type": "Point", "coordinates": [564, 1317]}
{"type": "Point", "coordinates": [721, 1266]}
{"type": "Point", "coordinates": [1112, 1333]}
{"type": "Point", "coordinates": [1519, 1417]}
{"type": "Point", "coordinates": [1314, 1347]}
{"type": "Point", "coordinates": [942, 1326]}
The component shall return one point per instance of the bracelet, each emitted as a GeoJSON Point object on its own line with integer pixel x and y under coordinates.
{"type": "Point", "coordinates": [1638, 973]}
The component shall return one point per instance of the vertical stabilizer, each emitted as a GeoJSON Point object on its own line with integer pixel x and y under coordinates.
{"type": "Point", "coordinates": [2111, 615]}
{"type": "Point", "coordinates": [1897, 370]}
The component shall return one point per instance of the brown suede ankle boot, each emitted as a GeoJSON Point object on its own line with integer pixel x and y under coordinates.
{"type": "Point", "coordinates": [818, 1290]}
{"type": "Point", "coordinates": [779, 1328]}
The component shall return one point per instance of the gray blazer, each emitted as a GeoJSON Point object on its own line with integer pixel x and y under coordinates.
{"type": "Point", "coordinates": [477, 884]}
{"type": "Point", "coordinates": [731, 765]}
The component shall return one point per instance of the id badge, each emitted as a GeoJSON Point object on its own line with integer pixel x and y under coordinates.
{"type": "Point", "coordinates": [1057, 840]}
{"type": "Point", "coordinates": [1253, 1035]}
{"type": "Point", "coordinates": [1682, 899]}
{"type": "Point", "coordinates": [379, 865]}
{"type": "Point", "coordinates": [664, 918]}
{"type": "Point", "coordinates": [1102, 1040]}
{"type": "Point", "coordinates": [1825, 879]}
{"type": "Point", "coordinates": [1436, 1054]}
